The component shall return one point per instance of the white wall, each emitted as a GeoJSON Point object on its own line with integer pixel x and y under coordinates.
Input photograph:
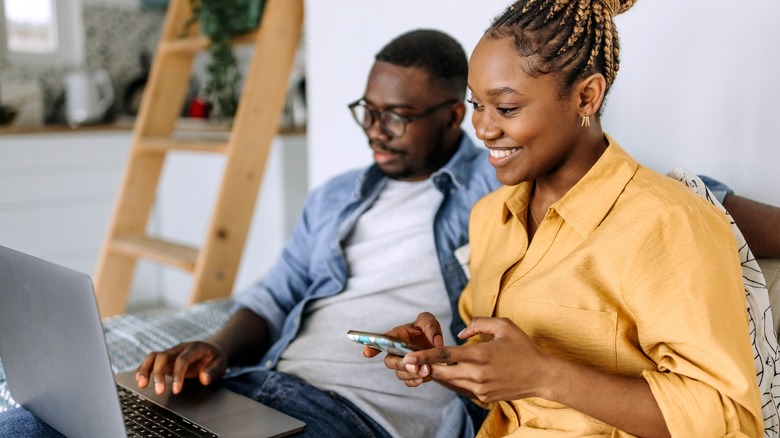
{"type": "Point", "coordinates": [696, 85]}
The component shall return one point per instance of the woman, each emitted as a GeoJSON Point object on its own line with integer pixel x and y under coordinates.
{"type": "Point", "coordinates": [605, 299]}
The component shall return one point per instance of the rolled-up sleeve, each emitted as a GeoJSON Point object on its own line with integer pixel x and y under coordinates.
{"type": "Point", "coordinates": [691, 320]}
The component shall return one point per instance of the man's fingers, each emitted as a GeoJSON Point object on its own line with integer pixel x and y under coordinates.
{"type": "Point", "coordinates": [215, 369]}
{"type": "Point", "coordinates": [142, 373]}
{"type": "Point", "coordinates": [161, 368]}
{"type": "Point", "coordinates": [180, 368]}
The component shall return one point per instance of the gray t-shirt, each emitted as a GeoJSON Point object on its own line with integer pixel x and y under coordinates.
{"type": "Point", "coordinates": [394, 274]}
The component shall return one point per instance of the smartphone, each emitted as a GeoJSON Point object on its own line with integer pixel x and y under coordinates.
{"type": "Point", "coordinates": [385, 343]}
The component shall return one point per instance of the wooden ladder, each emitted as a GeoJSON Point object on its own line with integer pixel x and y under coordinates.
{"type": "Point", "coordinates": [256, 122]}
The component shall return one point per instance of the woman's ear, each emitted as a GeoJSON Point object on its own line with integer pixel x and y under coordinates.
{"type": "Point", "coordinates": [590, 94]}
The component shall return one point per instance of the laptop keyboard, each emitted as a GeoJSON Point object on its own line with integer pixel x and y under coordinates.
{"type": "Point", "coordinates": [146, 419]}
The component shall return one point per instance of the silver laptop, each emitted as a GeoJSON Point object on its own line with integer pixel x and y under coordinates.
{"type": "Point", "coordinates": [57, 365]}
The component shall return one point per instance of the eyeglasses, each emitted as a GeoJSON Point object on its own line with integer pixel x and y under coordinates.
{"type": "Point", "coordinates": [391, 123]}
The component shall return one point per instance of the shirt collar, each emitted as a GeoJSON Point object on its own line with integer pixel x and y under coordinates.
{"type": "Point", "coordinates": [457, 170]}
{"type": "Point", "coordinates": [586, 204]}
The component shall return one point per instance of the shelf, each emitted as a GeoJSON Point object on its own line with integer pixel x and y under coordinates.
{"type": "Point", "coordinates": [125, 123]}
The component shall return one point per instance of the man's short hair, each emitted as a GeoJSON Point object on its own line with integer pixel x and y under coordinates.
{"type": "Point", "coordinates": [432, 50]}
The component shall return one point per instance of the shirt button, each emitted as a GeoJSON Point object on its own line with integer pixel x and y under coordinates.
{"type": "Point", "coordinates": [268, 363]}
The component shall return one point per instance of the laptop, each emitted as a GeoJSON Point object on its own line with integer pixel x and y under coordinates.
{"type": "Point", "coordinates": [57, 366]}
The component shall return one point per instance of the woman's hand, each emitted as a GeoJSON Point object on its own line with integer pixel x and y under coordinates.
{"type": "Point", "coordinates": [507, 365]}
{"type": "Point", "coordinates": [425, 332]}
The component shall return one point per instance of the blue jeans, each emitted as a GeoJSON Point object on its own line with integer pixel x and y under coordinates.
{"type": "Point", "coordinates": [325, 413]}
{"type": "Point", "coordinates": [20, 423]}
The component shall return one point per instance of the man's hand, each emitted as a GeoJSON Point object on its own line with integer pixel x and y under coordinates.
{"type": "Point", "coordinates": [186, 360]}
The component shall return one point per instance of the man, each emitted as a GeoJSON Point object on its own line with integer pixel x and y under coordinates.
{"type": "Point", "coordinates": [372, 248]}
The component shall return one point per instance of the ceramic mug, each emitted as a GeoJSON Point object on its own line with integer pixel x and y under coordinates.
{"type": "Point", "coordinates": [88, 95]}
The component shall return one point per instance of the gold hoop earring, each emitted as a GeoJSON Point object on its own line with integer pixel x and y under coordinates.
{"type": "Point", "coordinates": [585, 121]}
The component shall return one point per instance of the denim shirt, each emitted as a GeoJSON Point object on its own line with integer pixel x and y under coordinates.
{"type": "Point", "coordinates": [313, 266]}
{"type": "Point", "coordinates": [719, 189]}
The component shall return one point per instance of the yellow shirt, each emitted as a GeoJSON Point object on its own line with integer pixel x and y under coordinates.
{"type": "Point", "coordinates": [631, 273]}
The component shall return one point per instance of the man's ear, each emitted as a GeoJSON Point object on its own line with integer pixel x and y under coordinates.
{"type": "Point", "coordinates": [590, 94]}
{"type": "Point", "coordinates": [457, 114]}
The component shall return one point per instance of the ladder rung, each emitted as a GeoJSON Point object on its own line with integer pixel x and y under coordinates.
{"type": "Point", "coordinates": [186, 45]}
{"type": "Point", "coordinates": [169, 253]}
{"type": "Point", "coordinates": [194, 44]}
{"type": "Point", "coordinates": [180, 144]}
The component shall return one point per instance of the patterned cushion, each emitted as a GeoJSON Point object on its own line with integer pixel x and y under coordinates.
{"type": "Point", "coordinates": [130, 337]}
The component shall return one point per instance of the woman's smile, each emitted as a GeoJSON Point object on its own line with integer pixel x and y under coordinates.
{"type": "Point", "coordinates": [499, 157]}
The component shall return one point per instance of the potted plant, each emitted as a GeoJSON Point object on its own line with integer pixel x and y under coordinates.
{"type": "Point", "coordinates": [222, 20]}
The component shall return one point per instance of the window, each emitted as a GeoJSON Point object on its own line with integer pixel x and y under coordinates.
{"type": "Point", "coordinates": [42, 32]}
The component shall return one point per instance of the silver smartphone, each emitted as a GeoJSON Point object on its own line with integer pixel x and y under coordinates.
{"type": "Point", "coordinates": [382, 342]}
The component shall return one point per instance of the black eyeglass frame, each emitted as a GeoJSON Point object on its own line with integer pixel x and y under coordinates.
{"type": "Point", "coordinates": [375, 115]}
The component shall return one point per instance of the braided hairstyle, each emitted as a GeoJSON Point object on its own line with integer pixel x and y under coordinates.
{"type": "Point", "coordinates": [435, 52]}
{"type": "Point", "coordinates": [574, 38]}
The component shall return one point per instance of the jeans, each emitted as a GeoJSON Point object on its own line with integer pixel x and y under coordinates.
{"type": "Point", "coordinates": [20, 423]}
{"type": "Point", "coordinates": [325, 413]}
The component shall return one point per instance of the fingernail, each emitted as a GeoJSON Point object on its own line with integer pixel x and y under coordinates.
{"type": "Point", "coordinates": [159, 388]}
{"type": "Point", "coordinates": [410, 359]}
{"type": "Point", "coordinates": [410, 368]}
{"type": "Point", "coordinates": [461, 333]}
{"type": "Point", "coordinates": [424, 370]}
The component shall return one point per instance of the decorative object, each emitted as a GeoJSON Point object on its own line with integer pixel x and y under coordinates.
{"type": "Point", "coordinates": [222, 20]}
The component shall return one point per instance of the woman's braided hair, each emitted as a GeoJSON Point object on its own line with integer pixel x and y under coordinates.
{"type": "Point", "coordinates": [574, 38]}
